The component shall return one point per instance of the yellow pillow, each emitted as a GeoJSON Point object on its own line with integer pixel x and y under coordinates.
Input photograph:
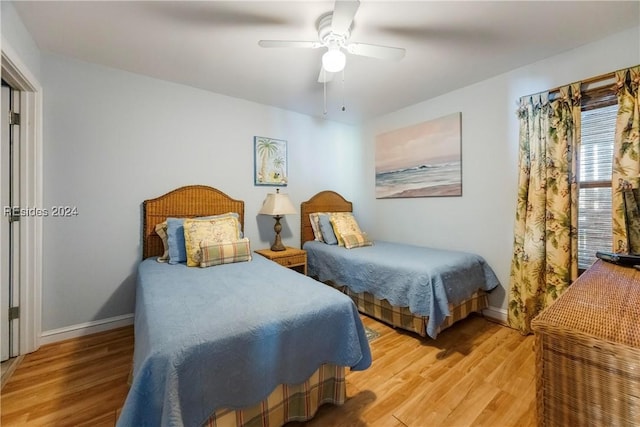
{"type": "Point", "coordinates": [343, 223]}
{"type": "Point", "coordinates": [219, 230]}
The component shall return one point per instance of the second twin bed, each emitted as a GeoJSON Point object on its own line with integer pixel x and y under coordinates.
{"type": "Point", "coordinates": [420, 289]}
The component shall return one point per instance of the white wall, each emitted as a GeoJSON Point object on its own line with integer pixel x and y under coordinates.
{"type": "Point", "coordinates": [114, 139]}
{"type": "Point", "coordinates": [16, 36]}
{"type": "Point", "coordinates": [481, 221]}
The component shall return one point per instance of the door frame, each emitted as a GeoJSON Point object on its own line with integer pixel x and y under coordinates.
{"type": "Point", "coordinates": [17, 74]}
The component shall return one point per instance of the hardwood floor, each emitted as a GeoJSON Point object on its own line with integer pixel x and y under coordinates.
{"type": "Point", "coordinates": [7, 368]}
{"type": "Point", "coordinates": [477, 373]}
{"type": "Point", "coordinates": [79, 382]}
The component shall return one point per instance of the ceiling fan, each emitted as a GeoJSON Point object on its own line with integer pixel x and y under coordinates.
{"type": "Point", "coordinates": [334, 30]}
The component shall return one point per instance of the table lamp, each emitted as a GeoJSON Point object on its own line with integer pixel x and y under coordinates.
{"type": "Point", "coordinates": [277, 205]}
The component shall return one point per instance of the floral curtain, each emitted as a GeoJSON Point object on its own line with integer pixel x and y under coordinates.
{"type": "Point", "coordinates": [545, 255]}
{"type": "Point", "coordinates": [632, 211]}
{"type": "Point", "coordinates": [626, 161]}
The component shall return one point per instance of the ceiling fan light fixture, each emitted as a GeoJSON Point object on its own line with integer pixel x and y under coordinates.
{"type": "Point", "coordinates": [334, 60]}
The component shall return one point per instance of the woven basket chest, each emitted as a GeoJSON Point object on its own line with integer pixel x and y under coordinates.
{"type": "Point", "coordinates": [588, 351]}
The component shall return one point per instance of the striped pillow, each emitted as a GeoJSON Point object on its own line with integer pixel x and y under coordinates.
{"type": "Point", "coordinates": [214, 253]}
{"type": "Point", "coordinates": [356, 240]}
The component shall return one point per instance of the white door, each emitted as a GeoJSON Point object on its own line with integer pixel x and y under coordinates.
{"type": "Point", "coordinates": [9, 229]}
{"type": "Point", "coordinates": [4, 228]}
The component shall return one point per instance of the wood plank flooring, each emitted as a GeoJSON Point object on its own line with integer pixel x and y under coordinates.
{"type": "Point", "coordinates": [476, 373]}
{"type": "Point", "coordinates": [78, 382]}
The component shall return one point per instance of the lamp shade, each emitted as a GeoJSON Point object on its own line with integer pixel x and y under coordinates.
{"type": "Point", "coordinates": [277, 204]}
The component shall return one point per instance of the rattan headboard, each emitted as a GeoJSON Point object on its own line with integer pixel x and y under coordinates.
{"type": "Point", "coordinates": [184, 202]}
{"type": "Point", "coordinates": [324, 201]}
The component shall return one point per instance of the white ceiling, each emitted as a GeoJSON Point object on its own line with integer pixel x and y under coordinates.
{"type": "Point", "coordinates": [213, 45]}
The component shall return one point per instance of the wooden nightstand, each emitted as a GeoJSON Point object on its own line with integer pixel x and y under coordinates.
{"type": "Point", "coordinates": [293, 258]}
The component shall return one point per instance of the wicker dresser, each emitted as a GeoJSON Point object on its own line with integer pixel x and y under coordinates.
{"type": "Point", "coordinates": [588, 351]}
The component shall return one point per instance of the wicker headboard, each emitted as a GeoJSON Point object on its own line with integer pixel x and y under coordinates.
{"type": "Point", "coordinates": [324, 201]}
{"type": "Point", "coordinates": [184, 202]}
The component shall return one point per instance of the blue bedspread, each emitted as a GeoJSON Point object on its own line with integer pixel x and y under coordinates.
{"type": "Point", "coordinates": [424, 279]}
{"type": "Point", "coordinates": [225, 336]}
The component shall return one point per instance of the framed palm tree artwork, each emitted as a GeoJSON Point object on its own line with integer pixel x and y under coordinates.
{"type": "Point", "coordinates": [270, 161]}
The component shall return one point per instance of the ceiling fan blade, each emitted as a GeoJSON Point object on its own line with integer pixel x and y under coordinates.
{"type": "Point", "coordinates": [212, 14]}
{"type": "Point", "coordinates": [376, 51]}
{"type": "Point", "coordinates": [442, 33]}
{"type": "Point", "coordinates": [324, 76]}
{"type": "Point", "coordinates": [343, 13]}
{"type": "Point", "coordinates": [289, 43]}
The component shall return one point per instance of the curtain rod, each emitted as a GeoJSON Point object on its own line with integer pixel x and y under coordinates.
{"type": "Point", "coordinates": [590, 80]}
{"type": "Point", "coordinates": [596, 79]}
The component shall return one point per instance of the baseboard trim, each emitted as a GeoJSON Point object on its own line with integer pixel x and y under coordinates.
{"type": "Point", "coordinates": [74, 331]}
{"type": "Point", "coordinates": [496, 314]}
{"type": "Point", "coordinates": [88, 328]}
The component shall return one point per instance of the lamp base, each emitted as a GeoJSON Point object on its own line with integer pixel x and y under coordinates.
{"type": "Point", "coordinates": [278, 248]}
{"type": "Point", "coordinates": [277, 244]}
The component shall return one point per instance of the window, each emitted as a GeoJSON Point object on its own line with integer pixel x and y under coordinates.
{"type": "Point", "coordinates": [599, 110]}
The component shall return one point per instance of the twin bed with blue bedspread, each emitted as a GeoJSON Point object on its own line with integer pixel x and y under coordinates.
{"type": "Point", "coordinates": [425, 280]}
{"type": "Point", "coordinates": [253, 342]}
{"type": "Point", "coordinates": [420, 289]}
{"type": "Point", "coordinates": [218, 342]}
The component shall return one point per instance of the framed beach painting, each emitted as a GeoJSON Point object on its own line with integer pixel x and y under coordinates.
{"type": "Point", "coordinates": [423, 160]}
{"type": "Point", "coordinates": [270, 161]}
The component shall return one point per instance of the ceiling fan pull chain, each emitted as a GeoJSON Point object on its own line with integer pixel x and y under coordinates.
{"type": "Point", "coordinates": [324, 89]}
{"type": "Point", "coordinates": [343, 108]}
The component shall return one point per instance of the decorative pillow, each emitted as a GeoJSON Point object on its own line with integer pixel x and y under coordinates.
{"type": "Point", "coordinates": [344, 223]}
{"type": "Point", "coordinates": [175, 240]}
{"type": "Point", "coordinates": [314, 219]}
{"type": "Point", "coordinates": [326, 229]}
{"type": "Point", "coordinates": [175, 236]}
{"type": "Point", "coordinates": [161, 231]}
{"type": "Point", "coordinates": [214, 253]}
{"type": "Point", "coordinates": [218, 230]}
{"type": "Point", "coordinates": [356, 240]}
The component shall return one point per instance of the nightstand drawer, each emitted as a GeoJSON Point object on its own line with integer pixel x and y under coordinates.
{"type": "Point", "coordinates": [292, 260]}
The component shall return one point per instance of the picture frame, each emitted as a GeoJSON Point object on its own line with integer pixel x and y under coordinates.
{"type": "Point", "coordinates": [270, 161]}
{"type": "Point", "coordinates": [421, 160]}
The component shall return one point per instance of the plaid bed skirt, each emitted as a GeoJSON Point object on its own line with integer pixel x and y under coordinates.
{"type": "Point", "coordinates": [288, 402]}
{"type": "Point", "coordinates": [401, 317]}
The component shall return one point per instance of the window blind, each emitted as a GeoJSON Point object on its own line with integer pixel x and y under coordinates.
{"type": "Point", "coordinates": [594, 180]}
